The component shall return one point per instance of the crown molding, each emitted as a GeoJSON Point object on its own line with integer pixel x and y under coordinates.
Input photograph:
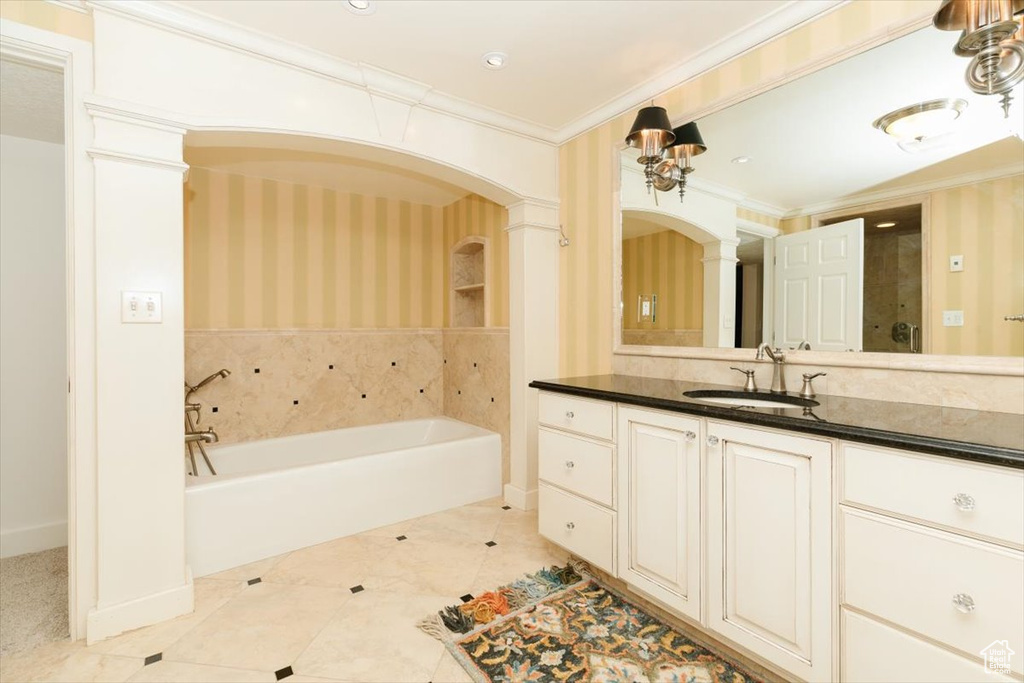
{"type": "Point", "coordinates": [695, 182]}
{"type": "Point", "coordinates": [374, 80]}
{"type": "Point", "coordinates": [782, 20]}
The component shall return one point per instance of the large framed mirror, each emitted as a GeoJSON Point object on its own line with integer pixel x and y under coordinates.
{"type": "Point", "coordinates": [806, 226]}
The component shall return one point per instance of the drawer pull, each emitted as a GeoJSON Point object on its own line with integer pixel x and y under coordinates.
{"type": "Point", "coordinates": [569, 414]}
{"type": "Point", "coordinates": [963, 603]}
{"type": "Point", "coordinates": [964, 502]}
{"type": "Point", "coordinates": [690, 436]}
{"type": "Point", "coordinates": [569, 464]}
{"type": "Point", "coordinates": [712, 440]}
{"type": "Point", "coordinates": [570, 526]}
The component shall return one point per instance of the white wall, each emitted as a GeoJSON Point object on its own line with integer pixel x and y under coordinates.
{"type": "Point", "coordinates": [33, 356]}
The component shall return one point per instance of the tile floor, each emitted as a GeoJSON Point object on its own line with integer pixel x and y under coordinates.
{"type": "Point", "coordinates": [345, 610]}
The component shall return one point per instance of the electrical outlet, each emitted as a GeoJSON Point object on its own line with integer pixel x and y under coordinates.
{"type": "Point", "coordinates": [952, 318]}
{"type": "Point", "coordinates": [142, 307]}
{"type": "Point", "coordinates": [956, 263]}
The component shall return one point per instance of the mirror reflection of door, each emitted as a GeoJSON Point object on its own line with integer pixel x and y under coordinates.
{"type": "Point", "coordinates": [750, 291]}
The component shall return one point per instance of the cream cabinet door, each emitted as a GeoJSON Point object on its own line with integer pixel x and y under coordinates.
{"type": "Point", "coordinates": [770, 545]}
{"type": "Point", "coordinates": [659, 509]}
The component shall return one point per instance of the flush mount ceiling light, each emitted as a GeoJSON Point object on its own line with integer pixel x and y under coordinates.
{"type": "Point", "coordinates": [890, 224]}
{"type": "Point", "coordinates": [495, 60]}
{"type": "Point", "coordinates": [741, 160]}
{"type": "Point", "coordinates": [360, 6]}
{"type": "Point", "coordinates": [991, 33]}
{"type": "Point", "coordinates": [922, 121]}
{"type": "Point", "coordinates": [666, 153]}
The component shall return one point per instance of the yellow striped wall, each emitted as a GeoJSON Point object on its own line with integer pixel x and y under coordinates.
{"type": "Point", "coordinates": [48, 17]}
{"type": "Point", "coordinates": [263, 254]}
{"type": "Point", "coordinates": [587, 163]}
{"type": "Point", "coordinates": [757, 217]}
{"type": "Point", "coordinates": [985, 223]}
{"type": "Point", "coordinates": [474, 215]}
{"type": "Point", "coordinates": [668, 264]}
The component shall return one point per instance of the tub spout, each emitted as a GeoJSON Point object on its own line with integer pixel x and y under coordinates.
{"type": "Point", "coordinates": [208, 435]}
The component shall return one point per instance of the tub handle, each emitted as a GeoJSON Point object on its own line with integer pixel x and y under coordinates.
{"type": "Point", "coordinates": [570, 526]}
{"type": "Point", "coordinates": [569, 464]}
{"type": "Point", "coordinates": [569, 414]}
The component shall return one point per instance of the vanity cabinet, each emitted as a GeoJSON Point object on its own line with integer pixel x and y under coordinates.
{"type": "Point", "coordinates": [660, 517]}
{"type": "Point", "coordinates": [770, 545]}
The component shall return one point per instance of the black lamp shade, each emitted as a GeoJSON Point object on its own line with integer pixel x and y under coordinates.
{"type": "Point", "coordinates": [687, 134]}
{"type": "Point", "coordinates": [651, 119]}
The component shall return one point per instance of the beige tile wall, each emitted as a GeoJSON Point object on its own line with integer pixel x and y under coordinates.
{"type": "Point", "coordinates": [476, 381]}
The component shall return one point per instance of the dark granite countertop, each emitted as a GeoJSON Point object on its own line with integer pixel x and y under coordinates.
{"type": "Point", "coordinates": [981, 436]}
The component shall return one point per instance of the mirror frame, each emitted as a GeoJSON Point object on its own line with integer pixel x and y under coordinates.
{"type": "Point", "coordinates": [922, 362]}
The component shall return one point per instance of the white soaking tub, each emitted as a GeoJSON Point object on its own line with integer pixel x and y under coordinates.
{"type": "Point", "coordinates": [278, 495]}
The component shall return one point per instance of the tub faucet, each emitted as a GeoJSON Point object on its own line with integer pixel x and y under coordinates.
{"type": "Point", "coordinates": [207, 435]}
{"type": "Point", "coordinates": [778, 357]}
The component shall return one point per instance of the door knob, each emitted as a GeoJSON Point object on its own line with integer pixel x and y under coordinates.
{"type": "Point", "coordinates": [712, 440]}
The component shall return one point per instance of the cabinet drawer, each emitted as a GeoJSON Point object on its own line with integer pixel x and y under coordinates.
{"type": "Point", "coordinates": [909, 575]}
{"type": "Point", "coordinates": [580, 415]}
{"type": "Point", "coordinates": [580, 527]}
{"type": "Point", "coordinates": [873, 652]}
{"type": "Point", "coordinates": [581, 466]}
{"type": "Point", "coordinates": [924, 488]}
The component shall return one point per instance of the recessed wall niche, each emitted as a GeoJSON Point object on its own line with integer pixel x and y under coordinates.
{"type": "Point", "coordinates": [470, 266]}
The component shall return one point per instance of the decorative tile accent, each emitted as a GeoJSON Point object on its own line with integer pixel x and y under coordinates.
{"type": "Point", "coordinates": [467, 597]}
{"type": "Point", "coordinates": [153, 659]}
{"type": "Point", "coordinates": [253, 582]}
{"type": "Point", "coordinates": [400, 538]}
{"type": "Point", "coordinates": [283, 673]}
{"type": "Point", "coordinates": [506, 507]}
{"type": "Point", "coordinates": [357, 589]}
{"type": "Point", "coordinates": [490, 544]}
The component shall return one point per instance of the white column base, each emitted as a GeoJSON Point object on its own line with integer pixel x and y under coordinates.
{"type": "Point", "coordinates": [107, 622]}
{"type": "Point", "coordinates": [520, 498]}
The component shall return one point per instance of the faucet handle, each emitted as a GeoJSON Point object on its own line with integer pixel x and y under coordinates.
{"type": "Point", "coordinates": [807, 391]}
{"type": "Point", "coordinates": [750, 384]}
{"type": "Point", "coordinates": [808, 376]}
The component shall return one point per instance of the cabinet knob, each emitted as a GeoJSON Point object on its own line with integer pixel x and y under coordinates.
{"type": "Point", "coordinates": [690, 436]}
{"type": "Point", "coordinates": [963, 603]}
{"type": "Point", "coordinates": [570, 526]}
{"type": "Point", "coordinates": [712, 440]}
{"type": "Point", "coordinates": [569, 414]}
{"type": "Point", "coordinates": [964, 502]}
{"type": "Point", "coordinates": [569, 464]}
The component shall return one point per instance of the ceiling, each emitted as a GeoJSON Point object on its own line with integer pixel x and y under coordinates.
{"type": "Point", "coordinates": [566, 58]}
{"type": "Point", "coordinates": [31, 102]}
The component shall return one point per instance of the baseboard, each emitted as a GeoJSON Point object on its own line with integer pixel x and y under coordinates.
{"type": "Point", "coordinates": [520, 498]}
{"type": "Point", "coordinates": [116, 619]}
{"type": "Point", "coordinates": [33, 539]}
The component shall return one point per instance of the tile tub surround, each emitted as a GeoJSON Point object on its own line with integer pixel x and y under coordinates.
{"type": "Point", "coordinates": [476, 382]}
{"type": "Point", "coordinates": [991, 437]}
{"type": "Point", "coordinates": [297, 381]}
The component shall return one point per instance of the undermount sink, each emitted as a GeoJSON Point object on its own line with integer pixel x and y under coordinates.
{"type": "Point", "coordinates": [750, 399]}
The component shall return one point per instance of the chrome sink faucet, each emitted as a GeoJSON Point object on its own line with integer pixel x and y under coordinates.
{"type": "Point", "coordinates": [778, 357]}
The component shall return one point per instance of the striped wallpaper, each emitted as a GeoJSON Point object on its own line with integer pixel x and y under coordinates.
{"type": "Point", "coordinates": [668, 264]}
{"type": "Point", "coordinates": [474, 215]}
{"type": "Point", "coordinates": [756, 217]}
{"type": "Point", "coordinates": [587, 175]}
{"type": "Point", "coordinates": [48, 17]}
{"type": "Point", "coordinates": [264, 254]}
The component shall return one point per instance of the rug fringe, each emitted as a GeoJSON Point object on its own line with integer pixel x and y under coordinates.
{"type": "Point", "coordinates": [433, 626]}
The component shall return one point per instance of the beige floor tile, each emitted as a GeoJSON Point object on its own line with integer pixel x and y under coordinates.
{"type": "Point", "coordinates": [431, 567]}
{"type": "Point", "coordinates": [181, 672]}
{"type": "Point", "coordinates": [312, 679]}
{"type": "Point", "coordinates": [265, 627]}
{"type": "Point", "coordinates": [66, 662]}
{"type": "Point", "coordinates": [450, 671]}
{"type": "Point", "coordinates": [505, 564]}
{"type": "Point", "coordinates": [210, 595]}
{"type": "Point", "coordinates": [342, 563]}
{"type": "Point", "coordinates": [374, 638]}
{"type": "Point", "coordinates": [519, 527]}
{"type": "Point", "coordinates": [248, 571]}
{"type": "Point", "coordinates": [391, 531]}
{"type": "Point", "coordinates": [469, 524]}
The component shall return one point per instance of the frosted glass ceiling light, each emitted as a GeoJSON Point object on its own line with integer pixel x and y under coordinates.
{"type": "Point", "coordinates": [922, 122]}
{"type": "Point", "coordinates": [360, 6]}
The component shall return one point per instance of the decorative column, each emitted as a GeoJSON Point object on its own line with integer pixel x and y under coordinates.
{"type": "Point", "coordinates": [141, 573]}
{"type": "Point", "coordinates": [533, 334]}
{"type": "Point", "coordinates": [720, 292]}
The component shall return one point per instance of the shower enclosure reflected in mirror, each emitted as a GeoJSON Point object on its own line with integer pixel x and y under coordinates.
{"type": "Point", "coordinates": [805, 224]}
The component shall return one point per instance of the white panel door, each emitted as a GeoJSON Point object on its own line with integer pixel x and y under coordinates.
{"type": "Point", "coordinates": [819, 293]}
{"type": "Point", "coordinates": [660, 504]}
{"type": "Point", "coordinates": [770, 545]}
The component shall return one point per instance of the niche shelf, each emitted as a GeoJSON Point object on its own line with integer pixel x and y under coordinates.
{"type": "Point", "coordinates": [470, 266]}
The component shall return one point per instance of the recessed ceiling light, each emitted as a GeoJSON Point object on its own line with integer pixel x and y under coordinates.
{"type": "Point", "coordinates": [890, 224]}
{"type": "Point", "coordinates": [495, 60]}
{"type": "Point", "coordinates": [741, 160]}
{"type": "Point", "coordinates": [361, 6]}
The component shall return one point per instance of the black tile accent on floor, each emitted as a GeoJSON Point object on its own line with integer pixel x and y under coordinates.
{"type": "Point", "coordinates": [284, 673]}
{"type": "Point", "coordinates": [330, 367]}
{"type": "Point", "coordinates": [400, 538]}
{"type": "Point", "coordinates": [215, 409]}
{"type": "Point", "coordinates": [490, 544]}
{"type": "Point", "coordinates": [506, 507]}
{"type": "Point", "coordinates": [357, 589]}
{"type": "Point", "coordinates": [295, 402]}
{"type": "Point", "coordinates": [466, 598]}
{"type": "Point", "coordinates": [256, 370]}
{"type": "Point", "coordinates": [153, 659]}
{"type": "Point", "coordinates": [252, 582]}
{"type": "Point", "coordinates": [364, 395]}
{"type": "Point", "coordinates": [393, 363]}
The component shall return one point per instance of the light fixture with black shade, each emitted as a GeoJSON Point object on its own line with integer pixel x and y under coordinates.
{"type": "Point", "coordinates": [666, 153]}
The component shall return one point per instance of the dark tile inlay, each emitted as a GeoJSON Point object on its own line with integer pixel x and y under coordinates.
{"type": "Point", "coordinates": [153, 659]}
{"type": "Point", "coordinates": [400, 538]}
{"type": "Point", "coordinates": [492, 399]}
{"type": "Point", "coordinates": [490, 544]}
{"type": "Point", "coordinates": [474, 365]}
{"type": "Point", "coordinates": [506, 507]}
{"type": "Point", "coordinates": [215, 409]}
{"type": "Point", "coordinates": [466, 598]}
{"type": "Point", "coordinates": [252, 582]}
{"type": "Point", "coordinates": [295, 402]}
{"type": "Point", "coordinates": [283, 673]}
{"type": "Point", "coordinates": [357, 589]}
{"type": "Point", "coordinates": [256, 370]}
{"type": "Point", "coordinates": [364, 395]}
{"type": "Point", "coordinates": [421, 391]}
{"type": "Point", "coordinates": [330, 367]}
{"type": "Point", "coordinates": [393, 363]}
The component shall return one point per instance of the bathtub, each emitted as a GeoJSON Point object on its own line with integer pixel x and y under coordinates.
{"type": "Point", "coordinates": [274, 496]}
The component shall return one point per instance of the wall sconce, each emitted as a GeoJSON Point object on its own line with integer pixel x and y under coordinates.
{"type": "Point", "coordinates": [987, 35]}
{"type": "Point", "coordinates": [653, 135]}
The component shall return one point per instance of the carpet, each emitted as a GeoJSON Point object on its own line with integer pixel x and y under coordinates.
{"type": "Point", "coordinates": [560, 624]}
{"type": "Point", "coordinates": [33, 600]}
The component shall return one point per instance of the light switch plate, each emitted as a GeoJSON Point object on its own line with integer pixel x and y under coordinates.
{"type": "Point", "coordinates": [142, 307]}
{"type": "Point", "coordinates": [956, 263]}
{"type": "Point", "coordinates": [952, 318]}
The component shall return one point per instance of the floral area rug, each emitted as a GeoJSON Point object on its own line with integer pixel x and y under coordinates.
{"type": "Point", "coordinates": [561, 625]}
